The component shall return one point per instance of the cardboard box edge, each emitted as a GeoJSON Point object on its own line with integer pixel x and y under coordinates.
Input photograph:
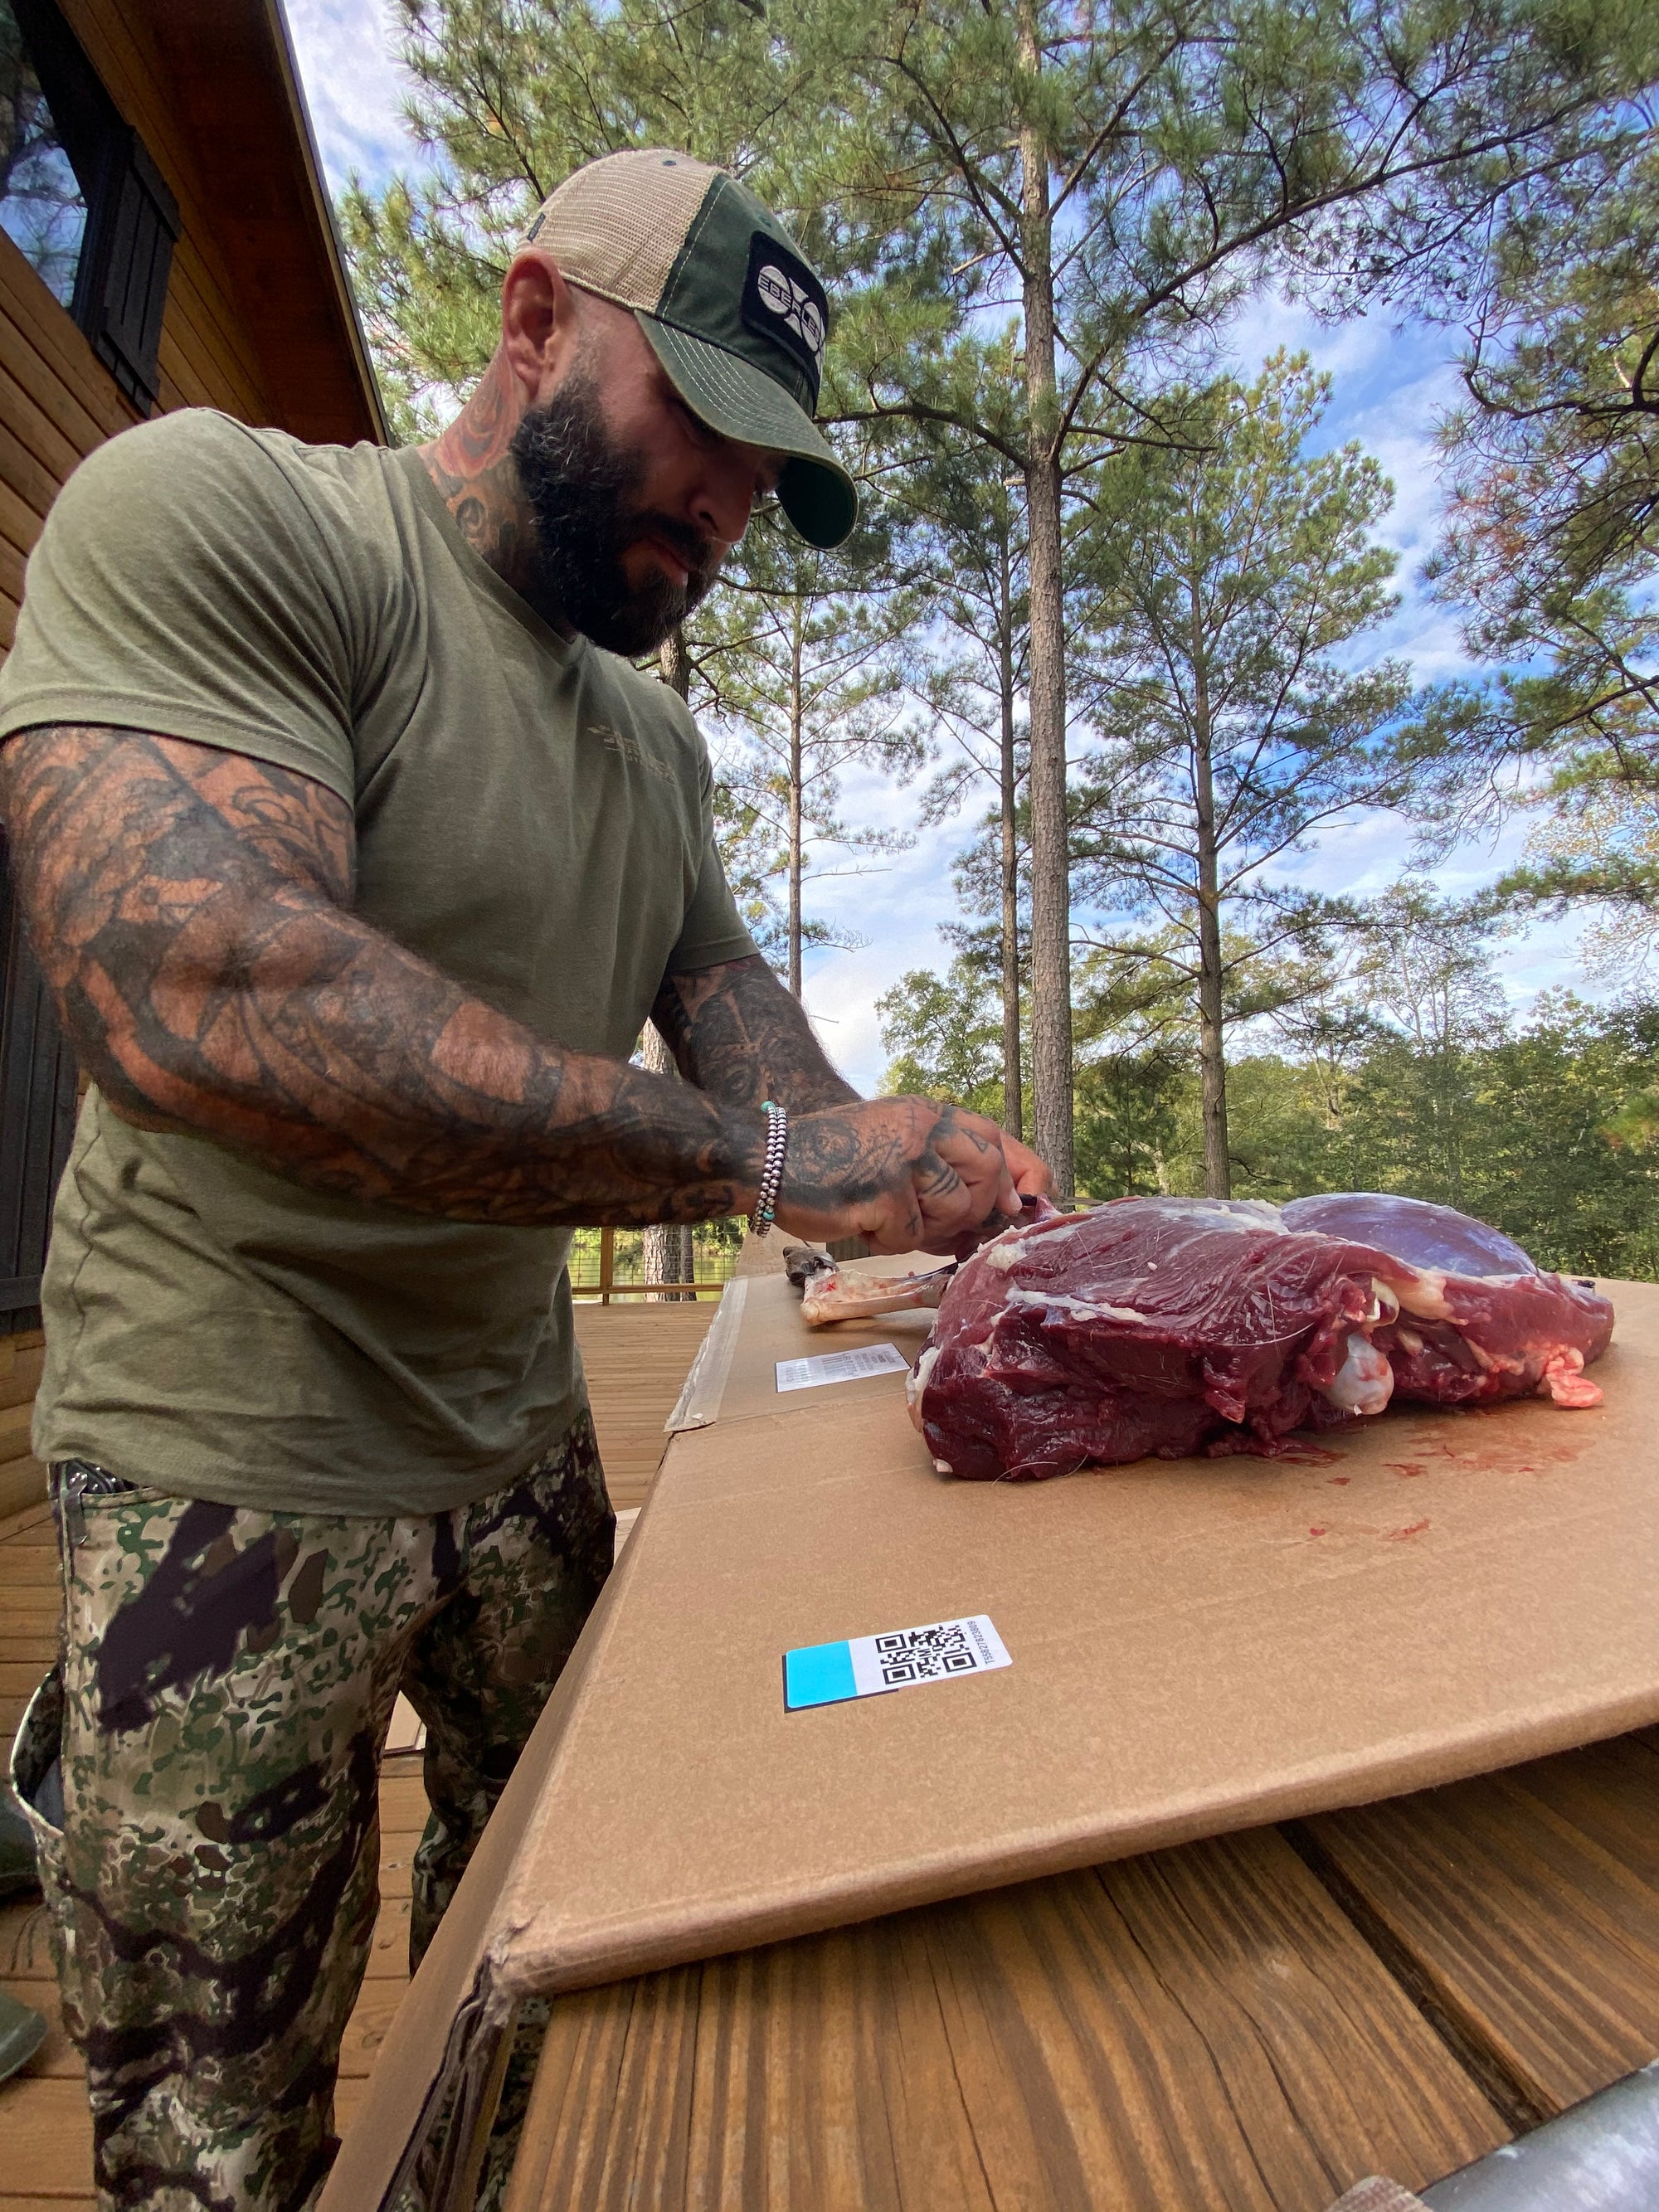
{"type": "Point", "coordinates": [540, 1960]}
{"type": "Point", "coordinates": [460, 1979]}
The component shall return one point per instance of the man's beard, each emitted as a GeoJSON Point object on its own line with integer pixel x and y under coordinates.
{"type": "Point", "coordinates": [582, 490]}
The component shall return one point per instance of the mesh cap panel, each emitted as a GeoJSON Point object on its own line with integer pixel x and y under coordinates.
{"type": "Point", "coordinates": [617, 227]}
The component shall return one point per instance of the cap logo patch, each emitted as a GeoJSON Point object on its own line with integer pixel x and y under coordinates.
{"type": "Point", "coordinates": [783, 301]}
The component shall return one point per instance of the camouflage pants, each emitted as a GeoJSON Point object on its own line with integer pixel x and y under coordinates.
{"type": "Point", "coordinates": [226, 1681]}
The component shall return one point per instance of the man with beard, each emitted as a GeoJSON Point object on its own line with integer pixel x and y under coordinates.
{"type": "Point", "coordinates": [356, 857]}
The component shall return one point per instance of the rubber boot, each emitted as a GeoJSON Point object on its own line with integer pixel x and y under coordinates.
{"type": "Point", "coordinates": [22, 2031]}
{"type": "Point", "coordinates": [17, 1867]}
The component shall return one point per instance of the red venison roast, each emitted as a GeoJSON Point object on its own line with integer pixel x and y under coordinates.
{"type": "Point", "coordinates": [1181, 1325]}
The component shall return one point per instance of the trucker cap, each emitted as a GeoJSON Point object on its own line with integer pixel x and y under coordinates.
{"type": "Point", "coordinates": [734, 313]}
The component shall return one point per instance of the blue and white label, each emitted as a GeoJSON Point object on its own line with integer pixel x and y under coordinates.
{"type": "Point", "coordinates": [812, 1374]}
{"type": "Point", "coordinates": [869, 1666]}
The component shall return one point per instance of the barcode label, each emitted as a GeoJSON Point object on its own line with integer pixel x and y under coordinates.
{"type": "Point", "coordinates": [841, 1366]}
{"type": "Point", "coordinates": [866, 1666]}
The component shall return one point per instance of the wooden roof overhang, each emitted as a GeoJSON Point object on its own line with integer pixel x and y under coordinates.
{"type": "Point", "coordinates": [234, 85]}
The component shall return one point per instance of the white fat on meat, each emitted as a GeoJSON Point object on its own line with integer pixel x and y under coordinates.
{"type": "Point", "coordinates": [916, 1381]}
{"type": "Point", "coordinates": [1246, 1215]}
{"type": "Point", "coordinates": [1364, 1383]}
{"type": "Point", "coordinates": [1423, 1296]}
{"type": "Point", "coordinates": [1564, 1380]}
{"type": "Point", "coordinates": [1075, 1308]}
{"type": "Point", "coordinates": [1007, 1250]}
{"type": "Point", "coordinates": [1002, 1254]}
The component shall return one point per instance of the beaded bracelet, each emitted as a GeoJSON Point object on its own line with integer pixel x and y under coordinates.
{"type": "Point", "coordinates": [777, 1143]}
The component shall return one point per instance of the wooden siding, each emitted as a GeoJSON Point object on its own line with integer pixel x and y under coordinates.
{"type": "Point", "coordinates": [58, 401]}
{"type": "Point", "coordinates": [209, 358]}
{"type": "Point", "coordinates": [257, 322]}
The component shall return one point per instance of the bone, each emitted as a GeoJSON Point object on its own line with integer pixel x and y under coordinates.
{"type": "Point", "coordinates": [843, 1296]}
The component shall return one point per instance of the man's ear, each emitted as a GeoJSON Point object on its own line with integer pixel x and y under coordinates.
{"type": "Point", "coordinates": [538, 323]}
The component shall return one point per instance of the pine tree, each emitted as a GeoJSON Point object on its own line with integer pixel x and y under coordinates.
{"type": "Point", "coordinates": [1116, 176]}
{"type": "Point", "coordinates": [1551, 545]}
{"type": "Point", "coordinates": [968, 519]}
{"type": "Point", "coordinates": [1230, 576]}
{"type": "Point", "coordinates": [808, 659]}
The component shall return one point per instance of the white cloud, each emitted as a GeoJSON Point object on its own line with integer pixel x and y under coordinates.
{"type": "Point", "coordinates": [353, 86]}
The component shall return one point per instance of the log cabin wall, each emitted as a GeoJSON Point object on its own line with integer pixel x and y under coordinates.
{"type": "Point", "coordinates": [256, 321]}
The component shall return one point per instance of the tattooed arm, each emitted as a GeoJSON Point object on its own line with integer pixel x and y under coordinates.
{"type": "Point", "coordinates": [738, 1035]}
{"type": "Point", "coordinates": [192, 909]}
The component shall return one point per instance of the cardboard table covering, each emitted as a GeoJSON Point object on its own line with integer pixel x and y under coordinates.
{"type": "Point", "coordinates": [1196, 1645]}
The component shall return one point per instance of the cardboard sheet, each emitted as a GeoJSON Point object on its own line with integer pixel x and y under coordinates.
{"type": "Point", "coordinates": [1195, 1646]}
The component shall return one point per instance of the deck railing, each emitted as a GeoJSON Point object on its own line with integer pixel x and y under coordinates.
{"type": "Point", "coordinates": [608, 1287]}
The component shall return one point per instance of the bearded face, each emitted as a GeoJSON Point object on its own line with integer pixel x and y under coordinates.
{"type": "Point", "coordinates": [584, 492]}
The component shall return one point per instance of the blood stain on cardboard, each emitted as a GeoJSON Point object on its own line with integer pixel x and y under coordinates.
{"type": "Point", "coordinates": [1515, 1448]}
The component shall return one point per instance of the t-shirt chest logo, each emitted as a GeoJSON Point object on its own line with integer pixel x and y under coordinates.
{"type": "Point", "coordinates": [624, 742]}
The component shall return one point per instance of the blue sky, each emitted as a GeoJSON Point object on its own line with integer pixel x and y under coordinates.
{"type": "Point", "coordinates": [1390, 385]}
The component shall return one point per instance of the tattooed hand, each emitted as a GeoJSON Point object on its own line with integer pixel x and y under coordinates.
{"type": "Point", "coordinates": [905, 1174]}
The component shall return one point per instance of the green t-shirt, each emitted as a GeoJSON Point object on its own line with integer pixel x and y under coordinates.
{"type": "Point", "coordinates": [533, 816]}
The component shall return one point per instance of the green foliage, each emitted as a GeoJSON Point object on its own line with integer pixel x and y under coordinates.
{"type": "Point", "coordinates": [1551, 541]}
{"type": "Point", "coordinates": [1533, 1133]}
{"type": "Point", "coordinates": [1136, 1123]}
{"type": "Point", "coordinates": [945, 1035]}
{"type": "Point", "coordinates": [1550, 1131]}
{"type": "Point", "coordinates": [1181, 144]}
{"type": "Point", "coordinates": [1229, 577]}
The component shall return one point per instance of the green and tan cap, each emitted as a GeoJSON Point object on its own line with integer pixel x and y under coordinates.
{"type": "Point", "coordinates": [735, 315]}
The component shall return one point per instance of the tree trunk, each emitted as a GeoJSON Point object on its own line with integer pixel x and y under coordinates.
{"type": "Point", "coordinates": [674, 661]}
{"type": "Point", "coordinates": [1013, 1104]}
{"type": "Point", "coordinates": [1212, 1051]}
{"type": "Point", "coordinates": [795, 797]}
{"type": "Point", "coordinates": [670, 1256]}
{"type": "Point", "coordinates": [1051, 919]}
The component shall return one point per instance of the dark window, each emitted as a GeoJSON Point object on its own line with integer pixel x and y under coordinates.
{"type": "Point", "coordinates": [42, 208]}
{"type": "Point", "coordinates": [82, 199]}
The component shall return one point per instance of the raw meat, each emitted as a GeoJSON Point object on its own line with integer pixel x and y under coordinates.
{"type": "Point", "coordinates": [1170, 1326]}
{"type": "Point", "coordinates": [1502, 1327]}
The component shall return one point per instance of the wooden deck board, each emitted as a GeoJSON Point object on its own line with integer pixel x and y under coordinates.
{"type": "Point", "coordinates": [1197, 2030]}
{"type": "Point", "coordinates": [1530, 1901]}
{"type": "Point", "coordinates": [636, 1357]}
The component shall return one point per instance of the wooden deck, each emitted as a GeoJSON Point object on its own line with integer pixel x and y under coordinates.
{"type": "Point", "coordinates": [1249, 2024]}
{"type": "Point", "coordinates": [636, 1357]}
{"type": "Point", "coordinates": [1244, 2024]}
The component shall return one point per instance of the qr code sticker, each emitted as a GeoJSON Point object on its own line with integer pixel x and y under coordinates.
{"type": "Point", "coordinates": [922, 1655]}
